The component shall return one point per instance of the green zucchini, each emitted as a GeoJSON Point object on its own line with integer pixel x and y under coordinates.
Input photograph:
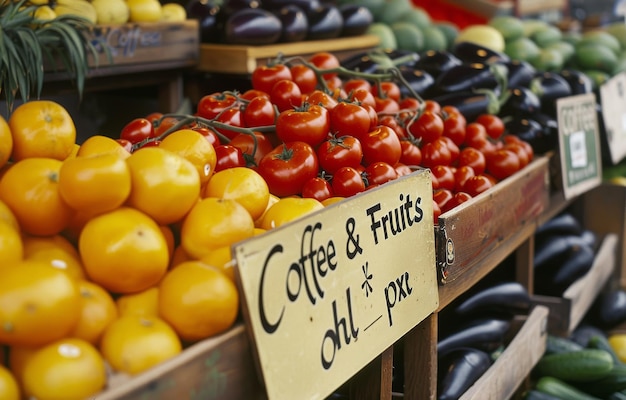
{"type": "Point", "coordinates": [557, 344]}
{"type": "Point", "coordinates": [561, 389]}
{"type": "Point", "coordinates": [615, 381]}
{"type": "Point", "coordinates": [537, 395]}
{"type": "Point", "coordinates": [584, 365]}
{"type": "Point", "coordinates": [601, 342]}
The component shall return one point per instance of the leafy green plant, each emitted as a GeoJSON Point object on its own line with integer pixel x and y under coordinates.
{"type": "Point", "coordinates": [28, 43]}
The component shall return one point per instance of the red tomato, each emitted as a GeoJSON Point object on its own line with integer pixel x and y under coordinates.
{"type": "Point", "coordinates": [166, 125]}
{"type": "Point", "coordinates": [530, 153]}
{"type": "Point", "coordinates": [454, 149]}
{"type": "Point", "coordinates": [137, 130]}
{"type": "Point", "coordinates": [151, 143]}
{"type": "Point", "coordinates": [493, 125]}
{"type": "Point", "coordinates": [317, 188]}
{"type": "Point", "coordinates": [503, 163]}
{"type": "Point", "coordinates": [246, 143]}
{"type": "Point", "coordinates": [286, 94]}
{"type": "Point", "coordinates": [304, 77]}
{"type": "Point", "coordinates": [309, 123]}
{"type": "Point", "coordinates": [474, 132]}
{"type": "Point", "coordinates": [259, 112]}
{"type": "Point", "coordinates": [461, 175]}
{"type": "Point", "coordinates": [474, 158]}
{"type": "Point", "coordinates": [363, 97]}
{"type": "Point", "coordinates": [386, 105]}
{"type": "Point", "coordinates": [209, 134]}
{"type": "Point", "coordinates": [334, 83]}
{"type": "Point", "coordinates": [230, 117]}
{"type": "Point", "coordinates": [347, 181]}
{"type": "Point", "coordinates": [409, 103]}
{"type": "Point", "coordinates": [411, 153]}
{"type": "Point", "coordinates": [371, 111]}
{"type": "Point", "coordinates": [337, 152]}
{"type": "Point", "coordinates": [378, 173]}
{"type": "Point", "coordinates": [477, 184]}
{"type": "Point", "coordinates": [454, 128]}
{"type": "Point", "coordinates": [288, 167]}
{"type": "Point", "coordinates": [126, 144]}
{"type": "Point", "coordinates": [436, 213]}
{"type": "Point", "coordinates": [457, 199]}
{"type": "Point", "coordinates": [392, 122]}
{"type": "Point", "coordinates": [445, 177]}
{"type": "Point", "coordinates": [212, 104]}
{"type": "Point", "coordinates": [154, 117]}
{"type": "Point", "coordinates": [325, 60]}
{"type": "Point", "coordinates": [252, 93]}
{"type": "Point", "coordinates": [354, 84]}
{"type": "Point", "coordinates": [520, 151]}
{"type": "Point", "coordinates": [349, 119]}
{"type": "Point", "coordinates": [435, 153]}
{"type": "Point", "coordinates": [402, 169]}
{"type": "Point", "coordinates": [441, 197]}
{"type": "Point", "coordinates": [319, 97]}
{"type": "Point", "coordinates": [387, 89]}
{"type": "Point", "coordinates": [484, 145]}
{"type": "Point", "coordinates": [228, 156]}
{"type": "Point", "coordinates": [432, 106]}
{"type": "Point", "coordinates": [381, 144]}
{"type": "Point", "coordinates": [265, 76]}
{"type": "Point", "coordinates": [428, 127]}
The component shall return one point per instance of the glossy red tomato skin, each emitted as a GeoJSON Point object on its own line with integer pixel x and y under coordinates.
{"type": "Point", "coordinates": [461, 176]}
{"type": "Point", "coordinates": [208, 134]}
{"type": "Point", "coordinates": [409, 103]}
{"type": "Point", "coordinates": [212, 104]}
{"type": "Point", "coordinates": [245, 142]}
{"type": "Point", "coordinates": [304, 77]}
{"type": "Point", "coordinates": [265, 76]}
{"type": "Point", "coordinates": [392, 122]}
{"type": "Point", "coordinates": [337, 152]}
{"type": "Point", "coordinates": [317, 188]}
{"type": "Point", "coordinates": [432, 106]}
{"type": "Point", "coordinates": [411, 153]}
{"type": "Point", "coordinates": [428, 127]}
{"type": "Point", "coordinates": [347, 181]}
{"type": "Point", "coordinates": [386, 105]}
{"type": "Point", "coordinates": [493, 125]}
{"type": "Point", "coordinates": [362, 97]}
{"type": "Point", "coordinates": [381, 144]}
{"type": "Point", "coordinates": [455, 151]}
{"type": "Point", "coordinates": [353, 84]}
{"type": "Point", "coordinates": [436, 213]}
{"type": "Point", "coordinates": [474, 132]}
{"type": "Point", "coordinates": [319, 97]}
{"type": "Point", "coordinates": [520, 151]}
{"type": "Point", "coordinates": [286, 94]}
{"type": "Point", "coordinates": [454, 128]}
{"type": "Point", "coordinates": [502, 164]}
{"type": "Point", "coordinates": [435, 153]}
{"type": "Point", "coordinates": [441, 197]}
{"type": "Point", "coordinates": [252, 93]}
{"type": "Point", "coordinates": [445, 177]}
{"type": "Point", "coordinates": [228, 156]}
{"type": "Point", "coordinates": [288, 167]}
{"type": "Point", "coordinates": [349, 119]}
{"type": "Point", "coordinates": [402, 169]}
{"type": "Point", "coordinates": [477, 185]}
{"type": "Point", "coordinates": [457, 199]}
{"type": "Point", "coordinates": [309, 124]}
{"type": "Point", "coordinates": [259, 111]}
{"type": "Point", "coordinates": [325, 60]}
{"type": "Point", "coordinates": [379, 172]}
{"type": "Point", "coordinates": [231, 117]}
{"type": "Point", "coordinates": [137, 130]}
{"type": "Point", "coordinates": [473, 158]}
{"type": "Point", "coordinates": [387, 89]}
{"type": "Point", "coordinates": [126, 144]}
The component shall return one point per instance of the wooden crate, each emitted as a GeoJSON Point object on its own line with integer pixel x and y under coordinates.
{"type": "Point", "coordinates": [513, 366]}
{"type": "Point", "coordinates": [218, 368]}
{"type": "Point", "coordinates": [241, 59]}
{"type": "Point", "coordinates": [567, 312]}
{"type": "Point", "coordinates": [470, 232]}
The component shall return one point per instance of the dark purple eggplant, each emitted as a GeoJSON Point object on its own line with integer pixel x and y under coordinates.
{"type": "Point", "coordinates": [469, 52]}
{"type": "Point", "coordinates": [506, 296]}
{"type": "Point", "coordinates": [252, 26]}
{"type": "Point", "coordinates": [436, 61]}
{"type": "Point", "coordinates": [579, 82]}
{"type": "Point", "coordinates": [590, 237]}
{"type": "Point", "coordinates": [520, 102]}
{"type": "Point", "coordinates": [555, 250]}
{"type": "Point", "coordinates": [470, 103]}
{"type": "Point", "coordinates": [519, 73]}
{"type": "Point", "coordinates": [483, 333]}
{"type": "Point", "coordinates": [464, 77]}
{"type": "Point", "coordinates": [356, 19]}
{"type": "Point", "coordinates": [207, 12]}
{"type": "Point", "coordinates": [549, 87]}
{"type": "Point", "coordinates": [609, 309]}
{"type": "Point", "coordinates": [577, 264]}
{"type": "Point", "coordinates": [541, 137]}
{"type": "Point", "coordinates": [325, 22]}
{"type": "Point", "coordinates": [421, 82]}
{"type": "Point", "coordinates": [380, 59]}
{"type": "Point", "coordinates": [295, 24]}
{"type": "Point", "coordinates": [562, 224]}
{"type": "Point", "coordinates": [304, 5]}
{"type": "Point", "coordinates": [459, 371]}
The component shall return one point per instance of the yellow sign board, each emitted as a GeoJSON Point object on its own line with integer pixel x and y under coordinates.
{"type": "Point", "coordinates": [326, 294]}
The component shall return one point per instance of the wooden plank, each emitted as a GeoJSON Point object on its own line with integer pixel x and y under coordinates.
{"type": "Point", "coordinates": [420, 360]}
{"type": "Point", "coordinates": [239, 59]}
{"type": "Point", "coordinates": [519, 357]}
{"type": "Point", "coordinates": [374, 381]}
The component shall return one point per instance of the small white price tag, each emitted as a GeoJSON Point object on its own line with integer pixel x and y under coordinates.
{"type": "Point", "coordinates": [613, 98]}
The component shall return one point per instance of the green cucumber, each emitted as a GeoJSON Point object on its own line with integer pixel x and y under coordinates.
{"type": "Point", "coordinates": [595, 57]}
{"type": "Point", "coordinates": [617, 396]}
{"type": "Point", "coordinates": [580, 366]}
{"type": "Point", "coordinates": [537, 395]}
{"type": "Point", "coordinates": [557, 344]}
{"type": "Point", "coordinates": [561, 389]}
{"type": "Point", "coordinates": [615, 381]}
{"type": "Point", "coordinates": [602, 342]}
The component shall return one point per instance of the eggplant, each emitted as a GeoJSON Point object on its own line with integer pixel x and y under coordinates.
{"type": "Point", "coordinates": [207, 12]}
{"type": "Point", "coordinates": [506, 296]}
{"type": "Point", "coordinates": [325, 22]}
{"type": "Point", "coordinates": [541, 138]}
{"type": "Point", "coordinates": [549, 87]}
{"type": "Point", "coordinates": [579, 82]}
{"type": "Point", "coordinates": [519, 73]}
{"type": "Point", "coordinates": [436, 61]}
{"type": "Point", "coordinates": [460, 371]}
{"type": "Point", "coordinates": [590, 237]}
{"type": "Point", "coordinates": [610, 308]}
{"type": "Point", "coordinates": [379, 60]}
{"type": "Point", "coordinates": [556, 249]}
{"type": "Point", "coordinates": [356, 19]}
{"type": "Point", "coordinates": [469, 52]}
{"type": "Point", "coordinates": [470, 103]}
{"type": "Point", "coordinates": [584, 332]}
{"type": "Point", "coordinates": [562, 224]}
{"type": "Point", "coordinates": [481, 333]}
{"type": "Point", "coordinates": [464, 77]}
{"type": "Point", "coordinates": [295, 24]}
{"type": "Point", "coordinates": [421, 82]}
{"type": "Point", "coordinates": [304, 5]}
{"type": "Point", "coordinates": [252, 26]}
{"type": "Point", "coordinates": [578, 263]}
{"type": "Point", "coordinates": [520, 102]}
{"type": "Point", "coordinates": [231, 6]}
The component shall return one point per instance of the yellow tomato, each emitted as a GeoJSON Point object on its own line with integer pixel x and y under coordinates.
{"type": "Point", "coordinates": [38, 304]}
{"type": "Point", "coordinates": [145, 10]}
{"type": "Point", "coordinates": [288, 209]}
{"type": "Point", "coordinates": [164, 184]}
{"type": "Point", "coordinates": [42, 128]}
{"type": "Point", "coordinates": [194, 147]}
{"type": "Point", "coordinates": [214, 223]}
{"type": "Point", "coordinates": [221, 258]}
{"type": "Point", "coordinates": [99, 144]}
{"type": "Point", "coordinates": [173, 12]}
{"type": "Point", "coordinates": [141, 303]}
{"type": "Point", "coordinates": [68, 369]}
{"type": "Point", "coordinates": [133, 343]}
{"type": "Point", "coordinates": [6, 142]}
{"type": "Point", "coordinates": [98, 310]}
{"type": "Point", "coordinates": [11, 245]}
{"type": "Point", "coordinates": [55, 251]}
{"type": "Point", "coordinates": [124, 250]}
{"type": "Point", "coordinates": [242, 184]}
{"type": "Point", "coordinates": [9, 389]}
